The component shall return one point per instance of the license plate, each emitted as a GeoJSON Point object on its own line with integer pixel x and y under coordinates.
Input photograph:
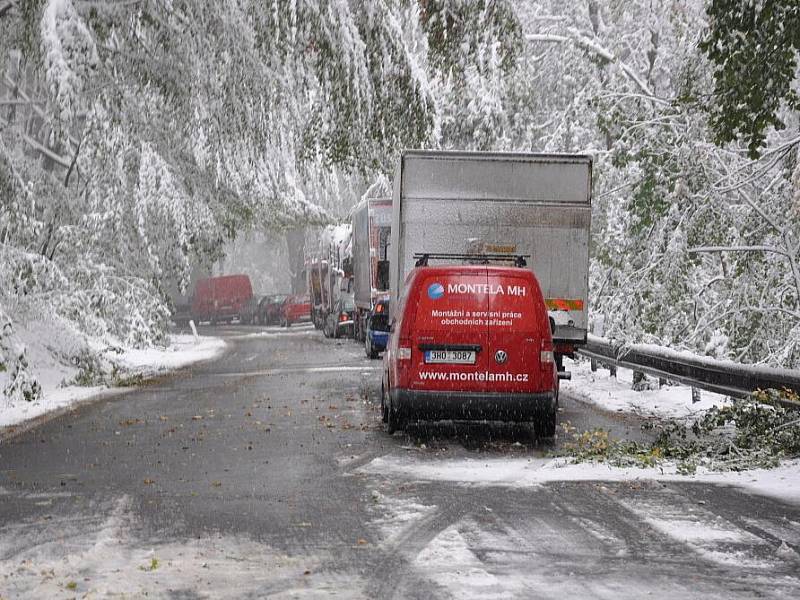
{"type": "Point", "coordinates": [450, 357]}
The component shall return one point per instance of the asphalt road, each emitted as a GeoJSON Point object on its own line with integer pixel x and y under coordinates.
{"type": "Point", "coordinates": [266, 473]}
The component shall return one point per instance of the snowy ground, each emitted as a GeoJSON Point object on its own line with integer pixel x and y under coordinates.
{"type": "Point", "coordinates": [183, 350]}
{"type": "Point", "coordinates": [98, 554]}
{"type": "Point", "coordinates": [616, 394]}
{"type": "Point", "coordinates": [782, 483]}
{"type": "Point", "coordinates": [611, 394]}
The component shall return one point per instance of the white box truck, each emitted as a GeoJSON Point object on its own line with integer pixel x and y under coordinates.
{"type": "Point", "coordinates": [468, 203]}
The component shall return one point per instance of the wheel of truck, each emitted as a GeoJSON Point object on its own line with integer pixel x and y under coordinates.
{"type": "Point", "coordinates": [545, 425]}
{"type": "Point", "coordinates": [371, 352]}
{"type": "Point", "coordinates": [360, 332]}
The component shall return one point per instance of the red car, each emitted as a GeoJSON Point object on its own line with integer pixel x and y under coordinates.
{"type": "Point", "coordinates": [471, 343]}
{"type": "Point", "coordinates": [295, 309]}
{"type": "Point", "coordinates": [221, 298]}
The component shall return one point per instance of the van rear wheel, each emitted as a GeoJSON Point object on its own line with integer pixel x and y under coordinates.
{"type": "Point", "coordinates": [370, 350]}
{"type": "Point", "coordinates": [393, 421]}
{"type": "Point", "coordinates": [545, 425]}
{"type": "Point", "coordinates": [384, 405]}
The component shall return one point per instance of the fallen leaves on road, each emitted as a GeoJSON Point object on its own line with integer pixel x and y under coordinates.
{"type": "Point", "coordinates": [151, 567]}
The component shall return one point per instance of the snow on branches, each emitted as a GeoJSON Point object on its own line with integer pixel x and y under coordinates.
{"type": "Point", "coordinates": [69, 54]}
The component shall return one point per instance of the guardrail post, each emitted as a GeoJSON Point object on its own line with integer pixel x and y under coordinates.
{"type": "Point", "coordinates": [639, 381]}
{"type": "Point", "coordinates": [661, 382]}
{"type": "Point", "coordinates": [593, 365]}
{"type": "Point", "coordinates": [612, 369]}
{"type": "Point", "coordinates": [695, 395]}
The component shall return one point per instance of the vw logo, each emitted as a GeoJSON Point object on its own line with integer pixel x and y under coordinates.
{"type": "Point", "coordinates": [501, 356]}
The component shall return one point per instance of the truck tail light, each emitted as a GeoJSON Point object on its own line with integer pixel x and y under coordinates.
{"type": "Point", "coordinates": [404, 353]}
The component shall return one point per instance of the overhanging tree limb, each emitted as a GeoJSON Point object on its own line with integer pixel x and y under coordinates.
{"type": "Point", "coordinates": [771, 249]}
{"type": "Point", "coordinates": [592, 46]}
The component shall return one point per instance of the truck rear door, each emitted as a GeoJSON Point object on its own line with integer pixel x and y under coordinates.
{"type": "Point", "coordinates": [517, 321]}
{"type": "Point", "coordinates": [449, 336]}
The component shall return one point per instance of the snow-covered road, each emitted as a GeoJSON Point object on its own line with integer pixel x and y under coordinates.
{"type": "Point", "coordinates": [266, 473]}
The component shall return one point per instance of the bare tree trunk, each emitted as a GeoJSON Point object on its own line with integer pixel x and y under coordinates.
{"type": "Point", "coordinates": [295, 244]}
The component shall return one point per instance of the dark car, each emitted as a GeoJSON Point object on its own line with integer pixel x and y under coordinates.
{"type": "Point", "coordinates": [377, 328]}
{"type": "Point", "coordinates": [339, 322]}
{"type": "Point", "coordinates": [269, 310]}
{"type": "Point", "coordinates": [249, 313]}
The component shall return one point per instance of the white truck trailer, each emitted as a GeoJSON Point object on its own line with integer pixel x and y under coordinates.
{"type": "Point", "coordinates": [468, 203]}
{"type": "Point", "coordinates": [372, 221]}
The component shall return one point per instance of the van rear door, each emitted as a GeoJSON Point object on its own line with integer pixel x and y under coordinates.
{"type": "Point", "coordinates": [518, 328]}
{"type": "Point", "coordinates": [449, 334]}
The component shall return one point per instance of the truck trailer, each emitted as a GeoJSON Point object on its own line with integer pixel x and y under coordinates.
{"type": "Point", "coordinates": [329, 271]}
{"type": "Point", "coordinates": [372, 221]}
{"type": "Point", "coordinates": [472, 207]}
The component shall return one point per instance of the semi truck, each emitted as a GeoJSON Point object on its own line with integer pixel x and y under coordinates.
{"type": "Point", "coordinates": [329, 272]}
{"type": "Point", "coordinates": [372, 221]}
{"type": "Point", "coordinates": [476, 207]}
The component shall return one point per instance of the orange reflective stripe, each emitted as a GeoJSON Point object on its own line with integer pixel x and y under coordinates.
{"type": "Point", "coordinates": [563, 304]}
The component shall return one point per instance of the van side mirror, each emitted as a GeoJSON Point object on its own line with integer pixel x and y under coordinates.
{"type": "Point", "coordinates": [552, 325]}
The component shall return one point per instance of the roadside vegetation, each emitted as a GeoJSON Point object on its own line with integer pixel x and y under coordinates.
{"type": "Point", "coordinates": [754, 432]}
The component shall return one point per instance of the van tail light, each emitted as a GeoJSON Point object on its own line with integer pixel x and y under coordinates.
{"type": "Point", "coordinates": [404, 353]}
{"type": "Point", "coordinates": [547, 358]}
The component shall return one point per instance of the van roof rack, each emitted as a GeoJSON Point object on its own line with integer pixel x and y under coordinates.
{"type": "Point", "coordinates": [519, 259]}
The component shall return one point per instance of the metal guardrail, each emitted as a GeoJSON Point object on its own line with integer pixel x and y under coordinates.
{"type": "Point", "coordinates": [699, 372]}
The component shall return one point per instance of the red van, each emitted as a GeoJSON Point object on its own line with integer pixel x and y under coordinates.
{"type": "Point", "coordinates": [221, 298]}
{"type": "Point", "coordinates": [471, 342]}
